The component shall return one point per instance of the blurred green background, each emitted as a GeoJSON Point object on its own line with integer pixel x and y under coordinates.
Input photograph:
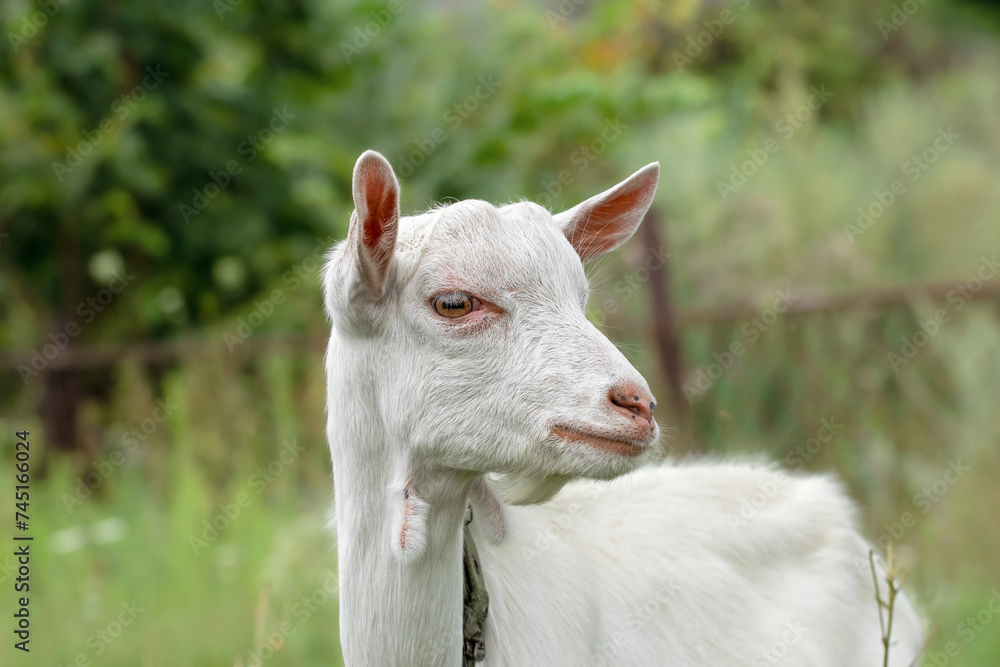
{"type": "Point", "coordinates": [171, 174]}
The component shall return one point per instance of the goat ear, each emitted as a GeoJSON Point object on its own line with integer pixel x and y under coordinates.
{"type": "Point", "coordinates": [375, 220]}
{"type": "Point", "coordinates": [605, 221]}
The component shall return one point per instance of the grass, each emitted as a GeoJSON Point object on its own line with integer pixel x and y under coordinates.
{"type": "Point", "coordinates": [263, 586]}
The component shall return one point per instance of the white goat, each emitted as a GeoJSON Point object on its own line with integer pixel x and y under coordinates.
{"type": "Point", "coordinates": [461, 369]}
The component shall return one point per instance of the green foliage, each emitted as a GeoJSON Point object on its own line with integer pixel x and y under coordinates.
{"type": "Point", "coordinates": [129, 171]}
{"type": "Point", "coordinates": [116, 120]}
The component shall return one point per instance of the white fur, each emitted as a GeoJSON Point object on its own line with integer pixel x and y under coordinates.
{"type": "Point", "coordinates": [654, 567]}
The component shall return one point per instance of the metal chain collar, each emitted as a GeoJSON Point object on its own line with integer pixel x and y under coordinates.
{"type": "Point", "coordinates": [476, 600]}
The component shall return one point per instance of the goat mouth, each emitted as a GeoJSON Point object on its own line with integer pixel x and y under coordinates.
{"type": "Point", "coordinates": [602, 442]}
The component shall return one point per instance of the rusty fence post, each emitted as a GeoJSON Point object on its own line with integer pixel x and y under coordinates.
{"type": "Point", "coordinates": [666, 336]}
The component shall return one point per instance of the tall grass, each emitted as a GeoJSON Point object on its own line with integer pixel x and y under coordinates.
{"type": "Point", "coordinates": [262, 586]}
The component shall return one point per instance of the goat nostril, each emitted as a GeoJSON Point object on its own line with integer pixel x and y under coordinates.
{"type": "Point", "coordinates": [635, 405]}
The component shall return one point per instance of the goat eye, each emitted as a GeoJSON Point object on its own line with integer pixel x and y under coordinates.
{"type": "Point", "coordinates": [454, 304]}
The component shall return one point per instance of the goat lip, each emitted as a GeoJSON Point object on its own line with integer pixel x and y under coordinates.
{"type": "Point", "coordinates": [614, 445]}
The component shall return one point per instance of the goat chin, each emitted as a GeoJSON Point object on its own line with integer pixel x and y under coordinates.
{"type": "Point", "coordinates": [526, 490]}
